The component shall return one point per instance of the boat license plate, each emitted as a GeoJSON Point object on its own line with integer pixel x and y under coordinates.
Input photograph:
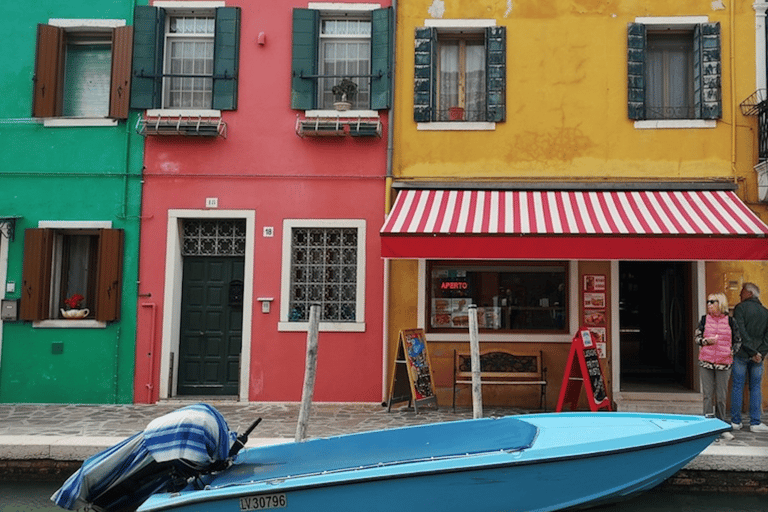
{"type": "Point", "coordinates": [264, 502]}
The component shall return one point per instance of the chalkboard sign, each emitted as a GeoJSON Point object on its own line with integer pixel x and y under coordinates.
{"type": "Point", "coordinates": [583, 369]}
{"type": "Point", "coordinates": [412, 366]}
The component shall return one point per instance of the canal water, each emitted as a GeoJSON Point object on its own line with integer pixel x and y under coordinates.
{"type": "Point", "coordinates": [32, 496]}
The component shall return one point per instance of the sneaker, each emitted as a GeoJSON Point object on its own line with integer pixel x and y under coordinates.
{"type": "Point", "coordinates": [727, 436]}
{"type": "Point", "coordinates": [761, 428]}
{"type": "Point", "coordinates": [736, 426]}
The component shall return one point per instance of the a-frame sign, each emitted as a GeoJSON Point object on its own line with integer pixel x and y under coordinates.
{"type": "Point", "coordinates": [583, 369]}
{"type": "Point", "coordinates": [412, 375]}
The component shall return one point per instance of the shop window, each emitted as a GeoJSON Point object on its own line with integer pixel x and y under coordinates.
{"type": "Point", "coordinates": [325, 262]}
{"type": "Point", "coordinates": [519, 297]}
{"type": "Point", "coordinates": [336, 42]}
{"type": "Point", "coordinates": [61, 263]}
{"type": "Point", "coordinates": [82, 69]}
{"type": "Point", "coordinates": [186, 57]}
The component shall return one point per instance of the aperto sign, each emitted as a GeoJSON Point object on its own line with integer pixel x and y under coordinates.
{"type": "Point", "coordinates": [454, 285]}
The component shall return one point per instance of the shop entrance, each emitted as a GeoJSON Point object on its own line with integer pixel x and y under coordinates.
{"type": "Point", "coordinates": [655, 326]}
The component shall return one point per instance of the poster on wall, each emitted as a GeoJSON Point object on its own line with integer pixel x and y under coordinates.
{"type": "Point", "coordinates": [594, 300]}
{"type": "Point", "coordinates": [594, 282]}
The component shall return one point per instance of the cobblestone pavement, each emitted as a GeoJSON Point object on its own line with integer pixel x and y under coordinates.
{"type": "Point", "coordinates": [279, 419]}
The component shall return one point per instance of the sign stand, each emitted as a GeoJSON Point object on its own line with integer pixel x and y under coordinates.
{"type": "Point", "coordinates": [583, 369]}
{"type": "Point", "coordinates": [412, 376]}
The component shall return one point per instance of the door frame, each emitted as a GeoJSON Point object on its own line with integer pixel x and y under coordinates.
{"type": "Point", "coordinates": [698, 294]}
{"type": "Point", "coordinates": [172, 296]}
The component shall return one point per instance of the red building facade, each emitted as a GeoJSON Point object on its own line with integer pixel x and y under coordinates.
{"type": "Point", "coordinates": [260, 198]}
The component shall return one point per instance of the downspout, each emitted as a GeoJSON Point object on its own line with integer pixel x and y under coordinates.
{"type": "Point", "coordinates": [387, 207]}
{"type": "Point", "coordinates": [734, 105]}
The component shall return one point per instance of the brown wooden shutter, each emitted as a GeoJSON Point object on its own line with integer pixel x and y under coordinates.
{"type": "Point", "coordinates": [49, 69]}
{"type": "Point", "coordinates": [36, 275]}
{"type": "Point", "coordinates": [120, 85]}
{"type": "Point", "coordinates": [109, 275]}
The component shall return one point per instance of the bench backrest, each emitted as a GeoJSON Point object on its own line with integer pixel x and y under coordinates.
{"type": "Point", "coordinates": [501, 364]}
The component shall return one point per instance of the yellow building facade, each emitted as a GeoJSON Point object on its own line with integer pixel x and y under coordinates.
{"type": "Point", "coordinates": [536, 104]}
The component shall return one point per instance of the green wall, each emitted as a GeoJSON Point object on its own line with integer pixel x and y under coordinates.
{"type": "Point", "coordinates": [65, 174]}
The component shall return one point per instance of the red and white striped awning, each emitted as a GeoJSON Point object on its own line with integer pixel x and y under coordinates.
{"type": "Point", "coordinates": [603, 224]}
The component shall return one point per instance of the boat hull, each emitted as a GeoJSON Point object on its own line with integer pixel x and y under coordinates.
{"type": "Point", "coordinates": [576, 460]}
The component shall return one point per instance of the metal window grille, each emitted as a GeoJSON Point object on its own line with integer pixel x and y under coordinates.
{"type": "Point", "coordinates": [324, 271]}
{"type": "Point", "coordinates": [219, 237]}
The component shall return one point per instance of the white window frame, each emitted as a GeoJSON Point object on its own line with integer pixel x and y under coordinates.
{"type": "Point", "coordinates": [285, 288]}
{"type": "Point", "coordinates": [448, 25]}
{"type": "Point", "coordinates": [71, 226]}
{"type": "Point", "coordinates": [174, 8]}
{"type": "Point", "coordinates": [82, 25]}
{"type": "Point", "coordinates": [331, 9]}
{"type": "Point", "coordinates": [673, 22]}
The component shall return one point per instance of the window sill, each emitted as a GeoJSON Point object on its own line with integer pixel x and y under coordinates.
{"type": "Point", "coordinates": [173, 112]}
{"type": "Point", "coordinates": [675, 123]}
{"type": "Point", "coordinates": [324, 326]}
{"type": "Point", "coordinates": [63, 122]}
{"type": "Point", "coordinates": [341, 113]}
{"type": "Point", "coordinates": [69, 324]}
{"type": "Point", "coordinates": [456, 126]}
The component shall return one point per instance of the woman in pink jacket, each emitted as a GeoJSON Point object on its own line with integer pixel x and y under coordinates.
{"type": "Point", "coordinates": [717, 335]}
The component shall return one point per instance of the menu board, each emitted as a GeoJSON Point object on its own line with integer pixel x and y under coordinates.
{"type": "Point", "coordinates": [412, 363]}
{"type": "Point", "coordinates": [583, 370]}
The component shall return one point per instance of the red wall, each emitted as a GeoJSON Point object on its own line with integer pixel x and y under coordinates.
{"type": "Point", "coordinates": [262, 165]}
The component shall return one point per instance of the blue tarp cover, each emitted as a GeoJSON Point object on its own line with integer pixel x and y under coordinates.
{"type": "Point", "coordinates": [198, 434]}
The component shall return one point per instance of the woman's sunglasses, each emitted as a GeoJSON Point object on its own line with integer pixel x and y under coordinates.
{"type": "Point", "coordinates": [712, 301]}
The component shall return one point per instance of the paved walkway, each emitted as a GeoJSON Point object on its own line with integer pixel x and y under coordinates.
{"type": "Point", "coordinates": [74, 432]}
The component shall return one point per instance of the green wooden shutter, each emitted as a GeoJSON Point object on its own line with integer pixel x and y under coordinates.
{"type": "Point", "coordinates": [36, 274]}
{"type": "Point", "coordinates": [381, 58]}
{"type": "Point", "coordinates": [636, 44]}
{"type": "Point", "coordinates": [49, 71]}
{"type": "Point", "coordinates": [226, 50]}
{"type": "Point", "coordinates": [306, 26]}
{"type": "Point", "coordinates": [109, 275]}
{"type": "Point", "coordinates": [148, 38]}
{"type": "Point", "coordinates": [707, 69]}
{"type": "Point", "coordinates": [496, 73]}
{"type": "Point", "coordinates": [424, 74]}
{"type": "Point", "coordinates": [120, 84]}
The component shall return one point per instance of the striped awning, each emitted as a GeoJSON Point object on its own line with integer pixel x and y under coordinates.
{"type": "Point", "coordinates": [601, 224]}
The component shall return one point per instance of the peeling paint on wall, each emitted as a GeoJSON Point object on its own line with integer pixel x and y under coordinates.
{"type": "Point", "coordinates": [718, 5]}
{"type": "Point", "coordinates": [509, 8]}
{"type": "Point", "coordinates": [437, 9]}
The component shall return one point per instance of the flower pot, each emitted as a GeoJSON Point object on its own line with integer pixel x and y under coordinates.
{"type": "Point", "coordinates": [456, 113]}
{"type": "Point", "coordinates": [342, 105]}
{"type": "Point", "coordinates": [75, 314]}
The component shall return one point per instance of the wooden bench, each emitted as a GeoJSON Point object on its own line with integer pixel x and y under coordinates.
{"type": "Point", "coordinates": [502, 367]}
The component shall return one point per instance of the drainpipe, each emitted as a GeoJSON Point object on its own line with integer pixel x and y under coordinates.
{"type": "Point", "coordinates": [388, 205]}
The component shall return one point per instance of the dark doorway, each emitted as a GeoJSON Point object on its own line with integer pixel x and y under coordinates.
{"type": "Point", "coordinates": [211, 325]}
{"type": "Point", "coordinates": [655, 326]}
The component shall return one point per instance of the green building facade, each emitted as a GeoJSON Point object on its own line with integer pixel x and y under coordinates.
{"type": "Point", "coordinates": [70, 202]}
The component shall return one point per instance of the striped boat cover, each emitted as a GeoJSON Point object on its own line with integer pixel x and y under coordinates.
{"type": "Point", "coordinates": [197, 433]}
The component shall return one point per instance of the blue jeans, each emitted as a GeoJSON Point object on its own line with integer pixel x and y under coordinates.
{"type": "Point", "coordinates": [742, 370]}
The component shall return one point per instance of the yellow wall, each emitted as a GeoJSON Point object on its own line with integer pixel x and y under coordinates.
{"type": "Point", "coordinates": [566, 119]}
{"type": "Point", "coordinates": [567, 99]}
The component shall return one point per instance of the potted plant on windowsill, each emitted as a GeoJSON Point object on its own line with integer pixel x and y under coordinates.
{"type": "Point", "coordinates": [73, 308]}
{"type": "Point", "coordinates": [345, 91]}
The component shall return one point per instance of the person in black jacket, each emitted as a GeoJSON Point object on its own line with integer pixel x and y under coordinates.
{"type": "Point", "coordinates": [752, 319]}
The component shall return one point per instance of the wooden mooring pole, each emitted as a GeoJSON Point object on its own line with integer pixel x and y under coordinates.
{"type": "Point", "coordinates": [474, 350]}
{"type": "Point", "coordinates": [309, 373]}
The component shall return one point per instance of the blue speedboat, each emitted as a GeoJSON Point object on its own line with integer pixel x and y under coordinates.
{"type": "Point", "coordinates": [535, 462]}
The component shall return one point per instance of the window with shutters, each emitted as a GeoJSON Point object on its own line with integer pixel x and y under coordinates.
{"type": "Point", "coordinates": [459, 74]}
{"type": "Point", "coordinates": [62, 262]}
{"type": "Point", "coordinates": [336, 41]}
{"type": "Point", "coordinates": [82, 71]}
{"type": "Point", "coordinates": [324, 264]}
{"type": "Point", "coordinates": [674, 72]}
{"type": "Point", "coordinates": [186, 58]}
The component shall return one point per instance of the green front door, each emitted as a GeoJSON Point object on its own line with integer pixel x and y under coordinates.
{"type": "Point", "coordinates": [211, 325]}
